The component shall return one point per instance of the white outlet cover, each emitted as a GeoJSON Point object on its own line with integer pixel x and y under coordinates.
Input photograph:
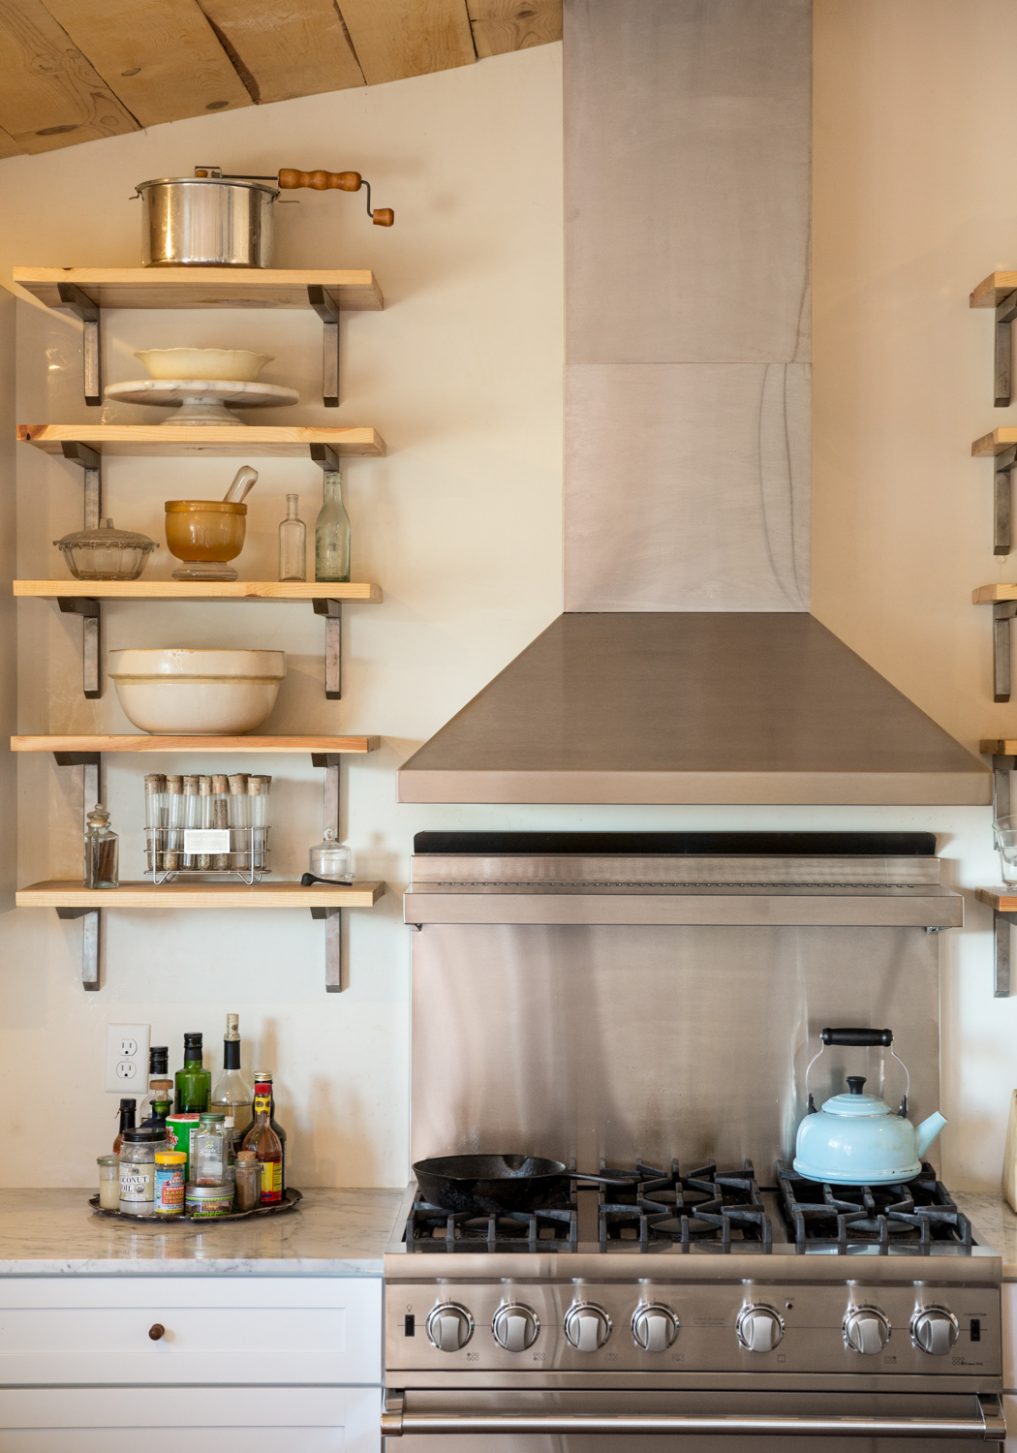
{"type": "Point", "coordinates": [126, 1063]}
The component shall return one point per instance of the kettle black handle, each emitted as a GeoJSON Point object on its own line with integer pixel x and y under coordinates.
{"type": "Point", "coordinates": [859, 1037]}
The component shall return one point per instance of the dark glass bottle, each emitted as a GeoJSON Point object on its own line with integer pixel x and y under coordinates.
{"type": "Point", "coordinates": [160, 1086]}
{"type": "Point", "coordinates": [128, 1109]}
{"type": "Point", "coordinates": [193, 1082]}
{"type": "Point", "coordinates": [265, 1143]}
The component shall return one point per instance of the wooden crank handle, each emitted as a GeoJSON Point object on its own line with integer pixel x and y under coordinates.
{"type": "Point", "coordinates": [290, 179]}
{"type": "Point", "coordinates": [383, 217]}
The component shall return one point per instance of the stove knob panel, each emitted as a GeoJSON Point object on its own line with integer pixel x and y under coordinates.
{"type": "Point", "coordinates": [934, 1330]}
{"type": "Point", "coordinates": [866, 1330]}
{"type": "Point", "coordinates": [587, 1327]}
{"type": "Point", "coordinates": [654, 1327]}
{"type": "Point", "coordinates": [760, 1328]}
{"type": "Point", "coordinates": [449, 1326]}
{"type": "Point", "coordinates": [515, 1327]}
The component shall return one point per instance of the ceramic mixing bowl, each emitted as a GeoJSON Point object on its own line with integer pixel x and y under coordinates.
{"type": "Point", "coordinates": [179, 691]}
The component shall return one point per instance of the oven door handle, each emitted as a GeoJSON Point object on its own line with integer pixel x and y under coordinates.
{"type": "Point", "coordinates": [986, 1425]}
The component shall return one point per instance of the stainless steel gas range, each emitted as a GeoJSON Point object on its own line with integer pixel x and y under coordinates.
{"type": "Point", "coordinates": [614, 998]}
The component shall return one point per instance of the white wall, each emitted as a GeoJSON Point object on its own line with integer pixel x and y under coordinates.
{"type": "Point", "coordinates": [914, 115]}
{"type": "Point", "coordinates": [460, 524]}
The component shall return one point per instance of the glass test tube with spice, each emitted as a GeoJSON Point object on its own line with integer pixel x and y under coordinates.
{"type": "Point", "coordinates": [179, 811]}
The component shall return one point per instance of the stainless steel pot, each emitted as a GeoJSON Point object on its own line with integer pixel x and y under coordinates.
{"type": "Point", "coordinates": [209, 221]}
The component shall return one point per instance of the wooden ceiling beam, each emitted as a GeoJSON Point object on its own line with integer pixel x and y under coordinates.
{"type": "Point", "coordinates": [394, 39]}
{"type": "Point", "coordinates": [161, 58]}
{"type": "Point", "coordinates": [505, 25]}
{"type": "Point", "coordinates": [50, 96]}
{"type": "Point", "coordinates": [297, 49]}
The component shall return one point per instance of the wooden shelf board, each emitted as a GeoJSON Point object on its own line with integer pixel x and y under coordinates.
{"type": "Point", "coordinates": [354, 289]}
{"type": "Point", "coordinates": [361, 592]}
{"type": "Point", "coordinates": [1003, 899]}
{"type": "Point", "coordinates": [172, 439]}
{"type": "Point", "coordinates": [989, 594]}
{"type": "Point", "coordinates": [282, 746]}
{"type": "Point", "coordinates": [58, 894]}
{"type": "Point", "coordinates": [998, 747]}
{"type": "Point", "coordinates": [994, 443]}
{"type": "Point", "coordinates": [993, 289]}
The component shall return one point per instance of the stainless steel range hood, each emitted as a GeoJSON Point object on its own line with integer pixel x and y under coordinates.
{"type": "Point", "coordinates": [687, 668]}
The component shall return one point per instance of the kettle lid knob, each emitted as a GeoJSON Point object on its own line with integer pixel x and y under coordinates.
{"type": "Point", "coordinates": [856, 1084]}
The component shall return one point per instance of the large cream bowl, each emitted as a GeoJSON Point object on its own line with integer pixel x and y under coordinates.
{"type": "Point", "coordinates": [179, 691]}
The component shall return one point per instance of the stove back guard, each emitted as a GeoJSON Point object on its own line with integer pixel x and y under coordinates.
{"type": "Point", "coordinates": [609, 1004]}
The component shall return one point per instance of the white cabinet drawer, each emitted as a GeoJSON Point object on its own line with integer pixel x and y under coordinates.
{"type": "Point", "coordinates": [283, 1330]}
{"type": "Point", "coordinates": [198, 1419]}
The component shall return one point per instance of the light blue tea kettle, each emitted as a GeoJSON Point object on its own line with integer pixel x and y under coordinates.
{"type": "Point", "coordinates": [857, 1139]}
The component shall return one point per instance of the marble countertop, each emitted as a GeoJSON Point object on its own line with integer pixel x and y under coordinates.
{"type": "Point", "coordinates": [995, 1225]}
{"type": "Point", "coordinates": [334, 1233]}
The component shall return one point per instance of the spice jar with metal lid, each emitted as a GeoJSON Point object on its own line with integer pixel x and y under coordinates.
{"type": "Point", "coordinates": [209, 1157]}
{"type": "Point", "coordinates": [205, 1202]}
{"type": "Point", "coordinates": [109, 1182]}
{"type": "Point", "coordinates": [137, 1170]}
{"type": "Point", "coordinates": [247, 1172]}
{"type": "Point", "coordinates": [102, 848]}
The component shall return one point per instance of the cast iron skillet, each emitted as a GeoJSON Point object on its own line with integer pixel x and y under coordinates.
{"type": "Point", "coordinates": [491, 1183]}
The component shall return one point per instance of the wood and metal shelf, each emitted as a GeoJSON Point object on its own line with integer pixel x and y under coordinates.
{"type": "Point", "coordinates": [86, 292]}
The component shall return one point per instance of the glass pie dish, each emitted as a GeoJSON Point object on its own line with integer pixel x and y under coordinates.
{"type": "Point", "coordinates": [105, 553]}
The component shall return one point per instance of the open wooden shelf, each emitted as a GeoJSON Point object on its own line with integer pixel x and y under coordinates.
{"type": "Point", "coordinates": [212, 439]}
{"type": "Point", "coordinates": [998, 747]}
{"type": "Point", "coordinates": [59, 894]}
{"type": "Point", "coordinates": [1003, 900]}
{"type": "Point", "coordinates": [998, 442]}
{"type": "Point", "coordinates": [362, 592]}
{"type": "Point", "coordinates": [281, 746]}
{"type": "Point", "coordinates": [993, 289]}
{"type": "Point", "coordinates": [352, 289]}
{"type": "Point", "coordinates": [992, 594]}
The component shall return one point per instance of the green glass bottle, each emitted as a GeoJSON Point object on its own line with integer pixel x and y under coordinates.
{"type": "Point", "coordinates": [332, 533]}
{"type": "Point", "coordinates": [193, 1083]}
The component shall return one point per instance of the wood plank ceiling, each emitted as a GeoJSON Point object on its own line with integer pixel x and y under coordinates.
{"type": "Point", "coordinates": [78, 70]}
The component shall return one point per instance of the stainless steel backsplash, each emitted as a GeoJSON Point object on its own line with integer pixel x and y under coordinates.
{"type": "Point", "coordinates": [609, 1042]}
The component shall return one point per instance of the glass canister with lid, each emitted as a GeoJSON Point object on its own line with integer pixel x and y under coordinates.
{"type": "Point", "coordinates": [209, 1163]}
{"type": "Point", "coordinates": [137, 1170]}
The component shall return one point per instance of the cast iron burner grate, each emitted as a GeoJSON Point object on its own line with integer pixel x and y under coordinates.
{"type": "Point", "coordinates": [916, 1214]}
{"type": "Point", "coordinates": [722, 1209]}
{"type": "Point", "coordinates": [429, 1228]}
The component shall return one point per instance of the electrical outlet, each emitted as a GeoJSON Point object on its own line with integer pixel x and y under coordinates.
{"type": "Point", "coordinates": [126, 1062]}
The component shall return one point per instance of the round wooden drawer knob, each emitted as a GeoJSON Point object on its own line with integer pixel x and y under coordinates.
{"type": "Point", "coordinates": [156, 1331]}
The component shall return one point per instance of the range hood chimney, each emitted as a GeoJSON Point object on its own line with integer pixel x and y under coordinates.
{"type": "Point", "coordinates": [687, 668]}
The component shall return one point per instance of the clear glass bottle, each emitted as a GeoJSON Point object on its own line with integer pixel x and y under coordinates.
{"type": "Point", "coordinates": [102, 848]}
{"type": "Point", "coordinates": [233, 1092]}
{"type": "Point", "coordinates": [332, 533]}
{"type": "Point", "coordinates": [292, 543]}
{"type": "Point", "coordinates": [209, 1151]}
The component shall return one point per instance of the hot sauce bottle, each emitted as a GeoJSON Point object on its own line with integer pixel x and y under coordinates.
{"type": "Point", "coordinates": [262, 1139]}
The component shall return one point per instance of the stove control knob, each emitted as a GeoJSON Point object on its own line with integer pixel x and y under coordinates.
{"type": "Point", "coordinates": [866, 1330]}
{"type": "Point", "coordinates": [587, 1327]}
{"type": "Point", "coordinates": [654, 1327]}
{"type": "Point", "coordinates": [449, 1326]}
{"type": "Point", "coordinates": [759, 1328]}
{"type": "Point", "coordinates": [515, 1327]}
{"type": "Point", "coordinates": [934, 1330]}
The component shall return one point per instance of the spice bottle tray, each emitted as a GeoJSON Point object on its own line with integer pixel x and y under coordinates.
{"type": "Point", "coordinates": [290, 1201]}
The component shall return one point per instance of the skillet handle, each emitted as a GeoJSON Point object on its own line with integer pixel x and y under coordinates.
{"type": "Point", "coordinates": [862, 1038]}
{"type": "Point", "coordinates": [607, 1179]}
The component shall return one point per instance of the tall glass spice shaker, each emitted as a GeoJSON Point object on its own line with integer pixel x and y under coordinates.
{"type": "Point", "coordinates": [220, 816]}
{"type": "Point", "coordinates": [257, 794]}
{"type": "Point", "coordinates": [174, 823]}
{"type": "Point", "coordinates": [238, 821]}
{"type": "Point", "coordinates": [332, 533]}
{"type": "Point", "coordinates": [102, 848]}
{"type": "Point", "coordinates": [155, 798]}
{"type": "Point", "coordinates": [292, 543]}
{"type": "Point", "coordinates": [203, 861]}
{"type": "Point", "coordinates": [192, 817]}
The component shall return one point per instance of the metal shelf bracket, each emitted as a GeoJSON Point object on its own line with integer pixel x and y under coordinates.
{"type": "Point", "coordinates": [90, 612]}
{"type": "Point", "coordinates": [1006, 312]}
{"type": "Point", "coordinates": [1002, 501]}
{"type": "Point", "coordinates": [91, 942]}
{"type": "Point", "coordinates": [332, 610]}
{"type": "Point", "coordinates": [333, 920]}
{"type": "Point", "coordinates": [85, 308]}
{"type": "Point", "coordinates": [1003, 612]}
{"type": "Point", "coordinates": [1002, 928]}
{"type": "Point", "coordinates": [328, 311]}
{"type": "Point", "coordinates": [90, 460]}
